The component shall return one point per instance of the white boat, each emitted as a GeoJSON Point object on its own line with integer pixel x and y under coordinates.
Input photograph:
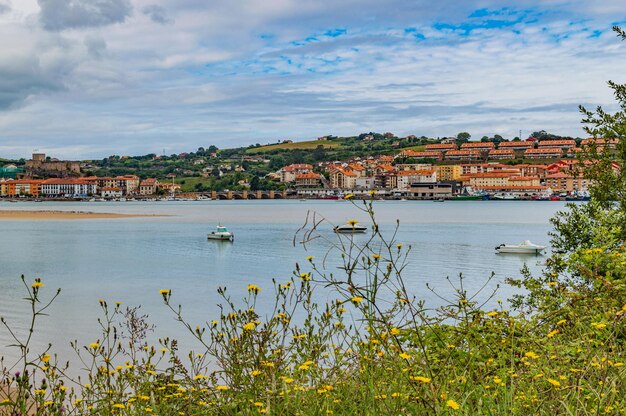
{"type": "Point", "coordinates": [350, 228]}
{"type": "Point", "coordinates": [221, 234]}
{"type": "Point", "coordinates": [525, 247]}
{"type": "Point", "coordinates": [505, 196]}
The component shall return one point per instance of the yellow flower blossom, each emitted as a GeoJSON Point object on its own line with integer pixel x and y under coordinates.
{"type": "Point", "coordinates": [356, 300]}
{"type": "Point", "coordinates": [532, 355]}
{"type": "Point", "coordinates": [221, 388]}
{"type": "Point", "coordinates": [453, 405]}
{"type": "Point", "coordinates": [37, 284]}
{"type": "Point", "coordinates": [249, 326]}
{"type": "Point", "coordinates": [352, 222]}
{"type": "Point", "coordinates": [421, 379]}
{"type": "Point", "coordinates": [554, 382]}
{"type": "Point", "coordinates": [254, 288]}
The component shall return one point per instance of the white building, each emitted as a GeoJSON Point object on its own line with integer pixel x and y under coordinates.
{"type": "Point", "coordinates": [58, 187]}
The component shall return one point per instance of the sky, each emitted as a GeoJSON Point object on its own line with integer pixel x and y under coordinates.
{"type": "Point", "coordinates": [92, 78]}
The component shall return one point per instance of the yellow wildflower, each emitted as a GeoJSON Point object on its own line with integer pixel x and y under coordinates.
{"type": "Point", "coordinates": [37, 284]}
{"type": "Point", "coordinates": [553, 333]}
{"type": "Point", "coordinates": [249, 326]}
{"type": "Point", "coordinates": [349, 196]}
{"type": "Point", "coordinates": [531, 354]}
{"type": "Point", "coordinates": [94, 345]}
{"type": "Point", "coordinates": [554, 382]}
{"type": "Point", "coordinates": [404, 355]}
{"type": "Point", "coordinates": [356, 300]}
{"type": "Point", "coordinates": [119, 406]}
{"type": "Point", "coordinates": [421, 379]}
{"type": "Point", "coordinates": [254, 288]}
{"type": "Point", "coordinates": [353, 222]}
{"type": "Point", "coordinates": [394, 331]}
{"type": "Point", "coordinates": [492, 314]}
{"type": "Point", "coordinates": [452, 404]}
{"type": "Point", "coordinates": [221, 387]}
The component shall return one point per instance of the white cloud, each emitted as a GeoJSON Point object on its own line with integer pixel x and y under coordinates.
{"type": "Point", "coordinates": [105, 80]}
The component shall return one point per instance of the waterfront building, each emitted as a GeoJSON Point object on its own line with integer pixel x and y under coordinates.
{"type": "Point", "coordinates": [23, 187]}
{"type": "Point", "coordinates": [148, 186]}
{"type": "Point", "coordinates": [342, 178]}
{"type": "Point", "coordinates": [431, 190]}
{"type": "Point", "coordinates": [564, 182]}
{"type": "Point", "coordinates": [67, 187]}
{"type": "Point", "coordinates": [366, 182]}
{"type": "Point", "coordinates": [407, 177]}
{"type": "Point", "coordinates": [111, 192]}
{"type": "Point", "coordinates": [449, 172]}
{"type": "Point", "coordinates": [308, 180]}
{"type": "Point", "coordinates": [486, 180]}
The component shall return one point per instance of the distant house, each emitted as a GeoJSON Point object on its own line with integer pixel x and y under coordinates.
{"type": "Point", "coordinates": [148, 186]}
{"type": "Point", "coordinates": [289, 173]}
{"type": "Point", "coordinates": [544, 153]}
{"type": "Point", "coordinates": [343, 179]}
{"type": "Point", "coordinates": [308, 180]}
{"type": "Point", "coordinates": [111, 192]}
{"type": "Point", "coordinates": [440, 147]}
{"type": "Point", "coordinates": [501, 154]}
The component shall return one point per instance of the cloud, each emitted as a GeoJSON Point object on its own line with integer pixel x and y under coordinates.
{"type": "Point", "coordinates": [157, 14]}
{"type": "Point", "coordinates": [5, 6]}
{"type": "Point", "coordinates": [59, 15]}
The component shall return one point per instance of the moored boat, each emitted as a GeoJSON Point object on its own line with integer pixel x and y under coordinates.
{"type": "Point", "coordinates": [221, 234]}
{"type": "Point", "coordinates": [351, 227]}
{"type": "Point", "coordinates": [525, 247]}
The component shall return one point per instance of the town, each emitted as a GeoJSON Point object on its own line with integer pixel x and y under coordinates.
{"type": "Point", "coordinates": [445, 169]}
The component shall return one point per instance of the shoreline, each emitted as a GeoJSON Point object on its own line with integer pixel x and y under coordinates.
{"type": "Point", "coordinates": [47, 215]}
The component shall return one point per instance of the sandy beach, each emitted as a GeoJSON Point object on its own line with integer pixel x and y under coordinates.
{"type": "Point", "coordinates": [44, 215]}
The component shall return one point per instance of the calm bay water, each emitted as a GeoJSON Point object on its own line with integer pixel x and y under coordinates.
{"type": "Point", "coordinates": [130, 259]}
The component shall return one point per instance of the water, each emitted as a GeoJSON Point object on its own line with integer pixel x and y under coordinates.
{"type": "Point", "coordinates": [130, 259]}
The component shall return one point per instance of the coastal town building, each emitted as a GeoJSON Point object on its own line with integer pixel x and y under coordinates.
{"type": "Point", "coordinates": [289, 173]}
{"type": "Point", "coordinates": [342, 178]}
{"type": "Point", "coordinates": [499, 154]}
{"type": "Point", "coordinates": [111, 192]}
{"type": "Point", "coordinates": [563, 182]}
{"type": "Point", "coordinates": [449, 172]}
{"type": "Point", "coordinates": [405, 178]}
{"type": "Point", "coordinates": [516, 145]}
{"type": "Point", "coordinates": [463, 155]}
{"type": "Point", "coordinates": [544, 153]}
{"type": "Point", "coordinates": [148, 186]}
{"type": "Point", "coordinates": [432, 154]}
{"type": "Point", "coordinates": [440, 147]}
{"type": "Point", "coordinates": [308, 180]}
{"type": "Point", "coordinates": [68, 187]}
{"type": "Point", "coordinates": [482, 146]}
{"type": "Point", "coordinates": [564, 145]}
{"type": "Point", "coordinates": [42, 166]}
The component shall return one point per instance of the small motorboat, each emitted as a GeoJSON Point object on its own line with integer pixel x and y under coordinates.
{"type": "Point", "coordinates": [221, 234]}
{"type": "Point", "coordinates": [352, 227]}
{"type": "Point", "coordinates": [525, 247]}
{"type": "Point", "coordinates": [439, 200]}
